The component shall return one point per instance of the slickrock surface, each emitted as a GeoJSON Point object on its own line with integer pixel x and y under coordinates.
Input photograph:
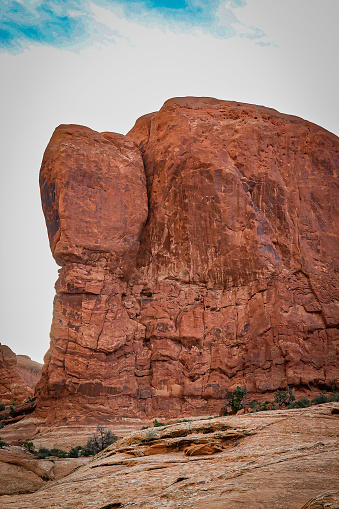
{"type": "Point", "coordinates": [198, 253]}
{"type": "Point", "coordinates": [278, 460]}
{"type": "Point", "coordinates": [326, 501]}
{"type": "Point", "coordinates": [21, 472]}
{"type": "Point", "coordinates": [12, 385]}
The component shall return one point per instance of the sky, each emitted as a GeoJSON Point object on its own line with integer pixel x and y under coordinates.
{"type": "Point", "coordinates": [104, 63]}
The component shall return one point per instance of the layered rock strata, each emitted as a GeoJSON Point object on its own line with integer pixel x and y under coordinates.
{"type": "Point", "coordinates": [275, 459]}
{"type": "Point", "coordinates": [197, 253]}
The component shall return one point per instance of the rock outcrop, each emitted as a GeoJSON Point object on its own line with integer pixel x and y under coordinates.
{"type": "Point", "coordinates": [29, 370]}
{"type": "Point", "coordinates": [12, 385]}
{"type": "Point", "coordinates": [275, 459]}
{"type": "Point", "coordinates": [197, 253]}
{"type": "Point", "coordinates": [22, 472]}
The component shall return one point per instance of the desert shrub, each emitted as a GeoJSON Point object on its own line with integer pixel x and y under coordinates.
{"type": "Point", "coordinates": [58, 453]}
{"type": "Point", "coordinates": [43, 453]}
{"type": "Point", "coordinates": [319, 399]}
{"type": "Point", "coordinates": [2, 406]}
{"type": "Point", "coordinates": [301, 403]}
{"type": "Point", "coordinates": [75, 452]}
{"type": "Point", "coordinates": [12, 412]}
{"type": "Point", "coordinates": [333, 397]}
{"type": "Point", "coordinates": [85, 452]}
{"type": "Point", "coordinates": [29, 446]}
{"type": "Point", "coordinates": [101, 439]}
{"type": "Point", "coordinates": [235, 399]}
{"type": "Point", "coordinates": [284, 397]}
{"type": "Point", "coordinates": [156, 423]}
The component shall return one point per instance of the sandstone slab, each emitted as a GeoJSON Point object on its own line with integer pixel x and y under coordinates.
{"type": "Point", "coordinates": [287, 458]}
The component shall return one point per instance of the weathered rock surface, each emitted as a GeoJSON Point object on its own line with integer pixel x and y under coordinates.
{"type": "Point", "coordinates": [280, 460]}
{"type": "Point", "coordinates": [232, 280]}
{"type": "Point", "coordinates": [12, 384]}
{"type": "Point", "coordinates": [21, 472]}
{"type": "Point", "coordinates": [325, 501]}
{"type": "Point", "coordinates": [29, 370]}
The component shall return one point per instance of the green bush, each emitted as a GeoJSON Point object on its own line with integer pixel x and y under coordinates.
{"type": "Point", "coordinates": [12, 412]}
{"type": "Point", "coordinates": [2, 406]}
{"type": "Point", "coordinates": [29, 446]}
{"type": "Point", "coordinates": [284, 397]}
{"type": "Point", "coordinates": [75, 452]}
{"type": "Point", "coordinates": [100, 440]}
{"type": "Point", "coordinates": [301, 403]}
{"type": "Point", "coordinates": [156, 423]}
{"type": "Point", "coordinates": [319, 399]}
{"type": "Point", "coordinates": [58, 453]}
{"type": "Point", "coordinates": [85, 452]}
{"type": "Point", "coordinates": [235, 399]}
{"type": "Point", "coordinates": [334, 397]}
{"type": "Point", "coordinates": [43, 453]}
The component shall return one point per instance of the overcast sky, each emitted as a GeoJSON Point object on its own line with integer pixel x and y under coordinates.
{"type": "Point", "coordinates": [104, 63]}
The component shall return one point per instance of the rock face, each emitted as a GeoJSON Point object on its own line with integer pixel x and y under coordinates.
{"type": "Point", "coordinates": [12, 385]}
{"type": "Point", "coordinates": [29, 370]}
{"type": "Point", "coordinates": [198, 253]}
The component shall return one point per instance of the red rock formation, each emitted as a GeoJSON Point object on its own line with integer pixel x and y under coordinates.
{"type": "Point", "coordinates": [235, 279]}
{"type": "Point", "coordinates": [30, 371]}
{"type": "Point", "coordinates": [12, 385]}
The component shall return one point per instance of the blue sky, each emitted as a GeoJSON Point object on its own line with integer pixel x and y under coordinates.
{"type": "Point", "coordinates": [103, 64]}
{"type": "Point", "coordinates": [71, 23]}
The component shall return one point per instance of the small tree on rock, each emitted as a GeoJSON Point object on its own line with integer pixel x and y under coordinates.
{"type": "Point", "coordinates": [100, 440]}
{"type": "Point", "coordinates": [235, 400]}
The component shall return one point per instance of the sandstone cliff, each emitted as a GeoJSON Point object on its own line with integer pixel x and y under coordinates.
{"type": "Point", "coordinates": [12, 385]}
{"type": "Point", "coordinates": [197, 253]}
{"type": "Point", "coordinates": [29, 370]}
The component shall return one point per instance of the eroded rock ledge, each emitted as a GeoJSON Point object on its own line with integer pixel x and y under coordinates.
{"type": "Point", "coordinates": [197, 253]}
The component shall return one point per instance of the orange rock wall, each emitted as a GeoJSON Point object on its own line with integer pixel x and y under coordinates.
{"type": "Point", "coordinates": [198, 253]}
{"type": "Point", "coordinates": [12, 385]}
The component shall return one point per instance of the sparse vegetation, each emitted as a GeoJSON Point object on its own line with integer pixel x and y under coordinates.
{"type": "Point", "coordinates": [43, 453]}
{"type": "Point", "coordinates": [301, 403]}
{"type": "Point", "coordinates": [29, 446]}
{"type": "Point", "coordinates": [319, 399]}
{"type": "Point", "coordinates": [96, 443]}
{"type": "Point", "coordinates": [156, 423]}
{"type": "Point", "coordinates": [2, 406]}
{"type": "Point", "coordinates": [75, 452]}
{"type": "Point", "coordinates": [12, 412]}
{"type": "Point", "coordinates": [2, 443]}
{"type": "Point", "coordinates": [284, 397]}
{"type": "Point", "coordinates": [58, 453]}
{"type": "Point", "coordinates": [100, 440]}
{"type": "Point", "coordinates": [235, 400]}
